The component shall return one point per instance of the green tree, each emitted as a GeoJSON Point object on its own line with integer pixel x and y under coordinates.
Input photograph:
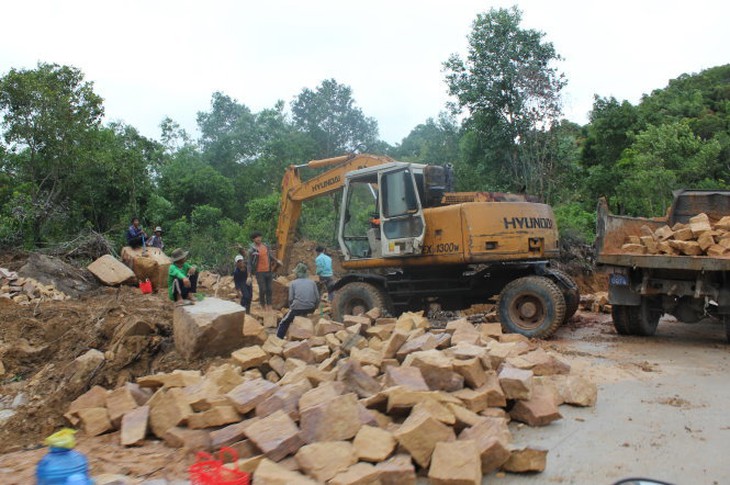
{"type": "Point", "coordinates": [330, 117]}
{"type": "Point", "coordinates": [50, 115]}
{"type": "Point", "coordinates": [435, 141]}
{"type": "Point", "coordinates": [510, 90]}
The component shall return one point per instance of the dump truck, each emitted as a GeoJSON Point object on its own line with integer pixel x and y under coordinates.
{"type": "Point", "coordinates": [409, 241]}
{"type": "Point", "coordinates": [678, 264]}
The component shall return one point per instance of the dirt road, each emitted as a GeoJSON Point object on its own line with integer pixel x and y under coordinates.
{"type": "Point", "coordinates": [661, 409]}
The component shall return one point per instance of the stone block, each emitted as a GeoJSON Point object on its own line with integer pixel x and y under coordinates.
{"type": "Point", "coordinates": [357, 474]}
{"type": "Point", "coordinates": [334, 420]}
{"type": "Point", "coordinates": [323, 392]}
{"type": "Point", "coordinates": [188, 439]}
{"type": "Point", "coordinates": [495, 394]}
{"type": "Point", "coordinates": [253, 332]}
{"type": "Point", "coordinates": [110, 271]}
{"type": "Point", "coordinates": [688, 248]}
{"type": "Point", "coordinates": [437, 370]}
{"type": "Point", "coordinates": [274, 345]}
{"type": "Point", "coordinates": [398, 470]}
{"type": "Point", "coordinates": [215, 416]}
{"type": "Point", "coordinates": [285, 399]}
{"type": "Point", "coordinates": [119, 402]}
{"type": "Point", "coordinates": [539, 410]}
{"type": "Point", "coordinates": [425, 342]}
{"type": "Point", "coordinates": [574, 390]}
{"type": "Point", "coordinates": [245, 397]}
{"type": "Point", "coordinates": [419, 434]}
{"type": "Point", "coordinates": [321, 353]}
{"type": "Point", "coordinates": [210, 328]}
{"type": "Point", "coordinates": [95, 421]}
{"type": "Point", "coordinates": [472, 371]}
{"type": "Point", "coordinates": [134, 426]}
{"type": "Point", "coordinates": [699, 224]}
{"type": "Point", "coordinates": [683, 234]}
{"type": "Point", "coordinates": [228, 435]}
{"type": "Point", "coordinates": [276, 435]}
{"type": "Point", "coordinates": [463, 418]}
{"type": "Point", "coordinates": [367, 356]}
{"type": "Point", "coordinates": [395, 341]}
{"type": "Point", "coordinates": [664, 233]}
{"type": "Point", "coordinates": [168, 408]}
{"type": "Point", "coordinates": [516, 383]}
{"type": "Point", "coordinates": [269, 473]}
{"type": "Point", "coordinates": [408, 377]}
{"type": "Point", "coordinates": [364, 321]}
{"type": "Point", "coordinates": [491, 330]}
{"type": "Point", "coordinates": [474, 400]}
{"type": "Point", "coordinates": [540, 363]}
{"type": "Point", "coordinates": [323, 460]}
{"type": "Point", "coordinates": [492, 438]}
{"type": "Point", "coordinates": [250, 357]}
{"type": "Point", "coordinates": [373, 444]}
{"type": "Point", "coordinates": [383, 332]}
{"type": "Point", "coordinates": [456, 463]}
{"type": "Point", "coordinates": [226, 377]}
{"type": "Point", "coordinates": [93, 398]}
{"type": "Point", "coordinates": [356, 380]}
{"type": "Point", "coordinates": [299, 350]}
{"type": "Point", "coordinates": [434, 408]}
{"type": "Point", "coordinates": [301, 328]}
{"type": "Point", "coordinates": [153, 265]}
{"type": "Point", "coordinates": [525, 460]}
{"type": "Point", "coordinates": [324, 327]}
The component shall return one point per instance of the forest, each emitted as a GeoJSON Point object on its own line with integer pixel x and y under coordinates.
{"type": "Point", "coordinates": [65, 172]}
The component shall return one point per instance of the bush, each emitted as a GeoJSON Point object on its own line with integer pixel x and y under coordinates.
{"type": "Point", "coordinates": [574, 222]}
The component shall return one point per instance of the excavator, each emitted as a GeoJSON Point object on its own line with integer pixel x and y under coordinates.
{"type": "Point", "coordinates": [409, 241]}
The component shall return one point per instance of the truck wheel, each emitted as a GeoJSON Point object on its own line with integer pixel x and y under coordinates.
{"type": "Point", "coordinates": [622, 315]}
{"type": "Point", "coordinates": [356, 299]}
{"type": "Point", "coordinates": [572, 296]}
{"type": "Point", "coordinates": [533, 306]}
{"type": "Point", "coordinates": [646, 319]}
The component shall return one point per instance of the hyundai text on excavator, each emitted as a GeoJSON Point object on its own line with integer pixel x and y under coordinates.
{"type": "Point", "coordinates": [409, 241]}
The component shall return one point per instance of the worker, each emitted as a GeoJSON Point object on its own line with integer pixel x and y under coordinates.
{"type": "Point", "coordinates": [244, 290]}
{"type": "Point", "coordinates": [261, 264]}
{"type": "Point", "coordinates": [136, 237]}
{"type": "Point", "coordinates": [156, 240]}
{"type": "Point", "coordinates": [182, 279]}
{"type": "Point", "coordinates": [324, 270]}
{"type": "Point", "coordinates": [303, 299]}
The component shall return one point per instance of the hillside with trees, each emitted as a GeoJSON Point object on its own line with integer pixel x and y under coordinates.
{"type": "Point", "coordinates": [64, 172]}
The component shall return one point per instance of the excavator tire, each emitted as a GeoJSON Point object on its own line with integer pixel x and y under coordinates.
{"type": "Point", "coordinates": [356, 299]}
{"type": "Point", "coordinates": [533, 306]}
{"type": "Point", "coordinates": [572, 296]}
{"type": "Point", "coordinates": [622, 315]}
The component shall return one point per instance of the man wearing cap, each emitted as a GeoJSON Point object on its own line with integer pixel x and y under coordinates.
{"type": "Point", "coordinates": [244, 289]}
{"type": "Point", "coordinates": [182, 279]}
{"type": "Point", "coordinates": [303, 299]}
{"type": "Point", "coordinates": [156, 240]}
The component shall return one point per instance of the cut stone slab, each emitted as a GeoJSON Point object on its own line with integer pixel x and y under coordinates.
{"type": "Point", "coordinates": [324, 460]}
{"type": "Point", "coordinates": [215, 416]}
{"type": "Point", "coordinates": [253, 332]}
{"type": "Point", "coordinates": [134, 426]}
{"type": "Point", "coordinates": [334, 420]}
{"type": "Point", "coordinates": [398, 470]}
{"type": "Point", "coordinates": [472, 371]}
{"type": "Point", "coordinates": [168, 408]}
{"type": "Point", "coordinates": [245, 397]}
{"type": "Point", "coordinates": [95, 421]}
{"type": "Point", "coordinates": [409, 377]}
{"type": "Point", "coordinates": [427, 341]}
{"type": "Point", "coordinates": [299, 350]}
{"type": "Point", "coordinates": [188, 439]}
{"type": "Point", "coordinates": [250, 357]}
{"type": "Point", "coordinates": [574, 390]}
{"type": "Point", "coordinates": [516, 383]}
{"type": "Point", "coordinates": [526, 460]}
{"type": "Point", "coordinates": [276, 435]}
{"type": "Point", "coordinates": [394, 342]}
{"type": "Point", "coordinates": [212, 327]}
{"type": "Point", "coordinates": [435, 409]}
{"type": "Point", "coordinates": [119, 402]}
{"type": "Point", "coordinates": [493, 440]}
{"type": "Point", "coordinates": [93, 398]}
{"type": "Point", "coordinates": [231, 434]}
{"type": "Point", "coordinates": [456, 463]}
{"type": "Point", "coordinates": [270, 473]}
{"type": "Point", "coordinates": [324, 392]}
{"type": "Point", "coordinates": [301, 328]}
{"type": "Point", "coordinates": [356, 379]}
{"type": "Point", "coordinates": [373, 444]}
{"type": "Point", "coordinates": [539, 410]}
{"type": "Point", "coordinates": [357, 474]}
{"type": "Point", "coordinates": [419, 434]}
{"type": "Point", "coordinates": [437, 370]}
{"type": "Point", "coordinates": [110, 271]}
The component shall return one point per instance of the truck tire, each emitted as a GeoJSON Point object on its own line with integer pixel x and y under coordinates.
{"type": "Point", "coordinates": [356, 299]}
{"type": "Point", "coordinates": [533, 306]}
{"type": "Point", "coordinates": [572, 296]}
{"type": "Point", "coordinates": [622, 315]}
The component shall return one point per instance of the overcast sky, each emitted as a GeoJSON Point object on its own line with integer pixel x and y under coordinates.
{"type": "Point", "coordinates": [151, 59]}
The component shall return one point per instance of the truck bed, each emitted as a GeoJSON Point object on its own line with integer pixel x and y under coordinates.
{"type": "Point", "coordinates": [611, 232]}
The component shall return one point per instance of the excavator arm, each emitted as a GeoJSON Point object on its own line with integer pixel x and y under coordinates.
{"type": "Point", "coordinates": [294, 191]}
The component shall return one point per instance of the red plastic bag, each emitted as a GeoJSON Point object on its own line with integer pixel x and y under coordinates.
{"type": "Point", "coordinates": [207, 470]}
{"type": "Point", "coordinates": [145, 286]}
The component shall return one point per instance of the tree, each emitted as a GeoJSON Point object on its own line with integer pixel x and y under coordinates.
{"type": "Point", "coordinates": [510, 90]}
{"type": "Point", "coordinates": [49, 114]}
{"type": "Point", "coordinates": [611, 130]}
{"type": "Point", "coordinates": [329, 115]}
{"type": "Point", "coordinates": [435, 141]}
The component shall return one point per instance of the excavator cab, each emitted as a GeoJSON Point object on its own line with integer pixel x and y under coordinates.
{"type": "Point", "coordinates": [382, 214]}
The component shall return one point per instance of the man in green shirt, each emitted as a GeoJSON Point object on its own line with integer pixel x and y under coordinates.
{"type": "Point", "coordinates": [182, 279]}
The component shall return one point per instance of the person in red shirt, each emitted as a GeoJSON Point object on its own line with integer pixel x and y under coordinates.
{"type": "Point", "coordinates": [261, 264]}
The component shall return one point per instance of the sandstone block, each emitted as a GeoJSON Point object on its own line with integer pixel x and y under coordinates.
{"type": "Point", "coordinates": [216, 416]}
{"type": "Point", "coordinates": [95, 421]}
{"type": "Point", "coordinates": [334, 420]}
{"type": "Point", "coordinates": [540, 363]}
{"type": "Point", "coordinates": [93, 398]}
{"type": "Point", "coordinates": [226, 377]}
{"type": "Point", "coordinates": [188, 439]}
{"type": "Point", "coordinates": [539, 410]}
{"type": "Point", "coordinates": [153, 265]}
{"type": "Point", "coordinates": [492, 438]}
{"type": "Point", "coordinates": [250, 357]}
{"type": "Point", "coordinates": [575, 390]}
{"type": "Point", "coordinates": [168, 408]}
{"type": "Point", "coordinates": [419, 435]}
{"type": "Point", "coordinates": [650, 244]}
{"type": "Point", "coordinates": [301, 328]}
{"type": "Point", "coordinates": [717, 251]}
{"type": "Point", "coordinates": [456, 463]}
{"type": "Point", "coordinates": [269, 473]}
{"type": "Point", "coordinates": [177, 378]}
{"type": "Point", "coordinates": [356, 380]}
{"type": "Point", "coordinates": [299, 350]}
{"type": "Point", "coordinates": [474, 400]}
{"type": "Point", "coordinates": [688, 248]}
{"type": "Point", "coordinates": [699, 224]}
{"type": "Point", "coordinates": [253, 332]}
{"type": "Point", "coordinates": [526, 460]}
{"type": "Point", "coordinates": [398, 470]}
{"type": "Point", "coordinates": [324, 327]}
{"type": "Point", "coordinates": [516, 383]}
{"type": "Point", "coordinates": [472, 371]}
{"type": "Point", "coordinates": [134, 426]}
{"type": "Point", "coordinates": [427, 341]}
{"type": "Point", "coordinates": [247, 396]}
{"type": "Point", "coordinates": [323, 392]}
{"type": "Point", "coordinates": [463, 418]}
{"type": "Point", "coordinates": [373, 444]}
{"type": "Point", "coordinates": [437, 370]}
{"type": "Point", "coordinates": [383, 332]}
{"type": "Point", "coordinates": [228, 435]}
{"type": "Point", "coordinates": [350, 320]}
{"type": "Point", "coordinates": [395, 341]}
{"type": "Point", "coordinates": [274, 345]}
{"type": "Point", "coordinates": [119, 402]}
{"type": "Point", "coordinates": [633, 249]}
{"type": "Point", "coordinates": [357, 474]}
{"type": "Point", "coordinates": [683, 234]}
{"type": "Point", "coordinates": [324, 460]}
{"type": "Point", "coordinates": [321, 353]}
{"type": "Point", "coordinates": [664, 233]}
{"type": "Point", "coordinates": [436, 409]}
{"type": "Point", "coordinates": [210, 328]}
{"type": "Point", "coordinates": [409, 377]}
{"type": "Point", "coordinates": [285, 399]}
{"type": "Point", "coordinates": [495, 395]}
{"type": "Point", "coordinates": [110, 271]}
{"type": "Point", "coordinates": [367, 356]}
{"type": "Point", "coordinates": [276, 435]}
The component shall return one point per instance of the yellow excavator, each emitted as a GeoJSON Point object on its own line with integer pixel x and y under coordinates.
{"type": "Point", "coordinates": [409, 241]}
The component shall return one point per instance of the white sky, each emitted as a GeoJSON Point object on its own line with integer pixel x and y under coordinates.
{"type": "Point", "coordinates": [156, 58]}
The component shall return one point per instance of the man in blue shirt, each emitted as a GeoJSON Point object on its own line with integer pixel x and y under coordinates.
{"type": "Point", "coordinates": [135, 235]}
{"type": "Point", "coordinates": [324, 270]}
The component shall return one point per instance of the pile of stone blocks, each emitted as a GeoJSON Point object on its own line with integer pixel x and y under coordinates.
{"type": "Point", "coordinates": [700, 237]}
{"type": "Point", "coordinates": [366, 400]}
{"type": "Point", "coordinates": [596, 302]}
{"type": "Point", "coordinates": [26, 291]}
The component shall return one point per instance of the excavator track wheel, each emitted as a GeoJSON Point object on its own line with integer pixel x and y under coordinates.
{"type": "Point", "coordinates": [533, 306]}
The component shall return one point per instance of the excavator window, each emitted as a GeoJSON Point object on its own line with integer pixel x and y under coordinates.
{"type": "Point", "coordinates": [399, 195]}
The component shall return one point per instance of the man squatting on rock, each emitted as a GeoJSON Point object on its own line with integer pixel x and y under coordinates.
{"type": "Point", "coordinates": [303, 299]}
{"type": "Point", "coordinates": [182, 279]}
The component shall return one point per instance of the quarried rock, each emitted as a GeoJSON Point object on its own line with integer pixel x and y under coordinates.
{"type": "Point", "coordinates": [248, 395]}
{"type": "Point", "coordinates": [516, 383]}
{"type": "Point", "coordinates": [492, 439]}
{"type": "Point", "coordinates": [373, 444]}
{"type": "Point", "coordinates": [539, 410]}
{"type": "Point", "coordinates": [276, 435]}
{"type": "Point", "coordinates": [398, 470]}
{"type": "Point", "coordinates": [357, 474]}
{"type": "Point", "coordinates": [95, 421]}
{"type": "Point", "coordinates": [210, 328]}
{"type": "Point", "coordinates": [456, 463]}
{"type": "Point", "coordinates": [118, 403]}
{"type": "Point", "coordinates": [110, 271]}
{"type": "Point", "coordinates": [168, 408]}
{"type": "Point", "coordinates": [269, 473]}
{"type": "Point", "coordinates": [134, 426]}
{"type": "Point", "coordinates": [419, 434]}
{"type": "Point", "coordinates": [409, 377]}
{"type": "Point", "coordinates": [334, 420]}
{"type": "Point", "coordinates": [324, 460]}
{"type": "Point", "coordinates": [526, 460]}
{"type": "Point", "coordinates": [250, 357]}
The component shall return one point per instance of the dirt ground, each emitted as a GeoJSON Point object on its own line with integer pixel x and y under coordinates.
{"type": "Point", "coordinates": [658, 411]}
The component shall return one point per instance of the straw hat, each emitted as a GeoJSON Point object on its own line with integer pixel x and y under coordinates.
{"type": "Point", "coordinates": [178, 254]}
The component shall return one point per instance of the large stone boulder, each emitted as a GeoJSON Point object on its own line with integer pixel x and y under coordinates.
{"type": "Point", "coordinates": [211, 327]}
{"type": "Point", "coordinates": [153, 265]}
{"type": "Point", "coordinates": [110, 271]}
